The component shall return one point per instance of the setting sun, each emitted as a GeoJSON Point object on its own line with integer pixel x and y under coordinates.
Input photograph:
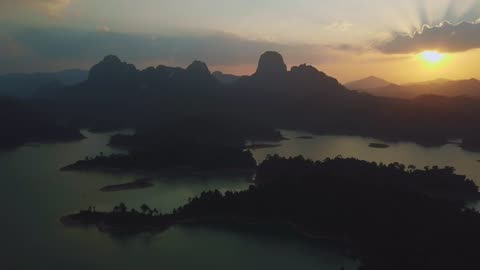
{"type": "Point", "coordinates": [432, 57]}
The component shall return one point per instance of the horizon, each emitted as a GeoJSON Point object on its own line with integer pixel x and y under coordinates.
{"type": "Point", "coordinates": [388, 37]}
{"type": "Point", "coordinates": [212, 70]}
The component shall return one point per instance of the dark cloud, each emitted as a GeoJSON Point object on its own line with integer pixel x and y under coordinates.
{"type": "Point", "coordinates": [445, 37]}
{"type": "Point", "coordinates": [52, 48]}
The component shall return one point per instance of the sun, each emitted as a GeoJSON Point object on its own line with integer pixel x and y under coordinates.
{"type": "Point", "coordinates": [432, 57]}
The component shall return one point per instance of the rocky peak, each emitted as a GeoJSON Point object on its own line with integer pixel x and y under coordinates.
{"type": "Point", "coordinates": [271, 63]}
{"type": "Point", "coordinates": [198, 68]}
{"type": "Point", "coordinates": [111, 68]}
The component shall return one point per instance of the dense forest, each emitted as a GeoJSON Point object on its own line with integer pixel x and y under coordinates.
{"type": "Point", "coordinates": [388, 216]}
{"type": "Point", "coordinates": [24, 121]}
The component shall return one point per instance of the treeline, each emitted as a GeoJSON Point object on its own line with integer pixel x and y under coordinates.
{"type": "Point", "coordinates": [181, 157]}
{"type": "Point", "coordinates": [350, 172]}
{"type": "Point", "coordinates": [375, 210]}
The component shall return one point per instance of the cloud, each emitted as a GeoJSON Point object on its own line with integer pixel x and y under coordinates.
{"type": "Point", "coordinates": [52, 8]}
{"type": "Point", "coordinates": [349, 48]}
{"type": "Point", "coordinates": [445, 37]}
{"type": "Point", "coordinates": [52, 48]}
{"type": "Point", "coordinates": [341, 26]}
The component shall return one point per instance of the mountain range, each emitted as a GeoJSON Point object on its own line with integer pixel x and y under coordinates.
{"type": "Point", "coordinates": [26, 85]}
{"type": "Point", "coordinates": [440, 87]}
{"type": "Point", "coordinates": [117, 95]}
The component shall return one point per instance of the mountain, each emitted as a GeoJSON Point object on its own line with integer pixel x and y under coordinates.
{"type": "Point", "coordinates": [25, 85]}
{"type": "Point", "coordinates": [225, 78]}
{"type": "Point", "coordinates": [439, 87]}
{"type": "Point", "coordinates": [270, 64]}
{"type": "Point", "coordinates": [305, 98]}
{"type": "Point", "coordinates": [272, 76]}
{"type": "Point", "coordinates": [367, 83]}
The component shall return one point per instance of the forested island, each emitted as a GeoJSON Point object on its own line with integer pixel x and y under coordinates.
{"type": "Point", "coordinates": [175, 159]}
{"type": "Point", "coordinates": [389, 216]}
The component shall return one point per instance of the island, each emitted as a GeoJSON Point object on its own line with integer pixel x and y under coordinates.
{"type": "Point", "coordinates": [137, 184]}
{"type": "Point", "coordinates": [387, 216]}
{"type": "Point", "coordinates": [172, 159]}
{"type": "Point", "coordinates": [379, 145]}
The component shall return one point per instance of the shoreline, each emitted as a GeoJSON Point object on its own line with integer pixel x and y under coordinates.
{"type": "Point", "coordinates": [99, 219]}
{"type": "Point", "coordinates": [141, 183]}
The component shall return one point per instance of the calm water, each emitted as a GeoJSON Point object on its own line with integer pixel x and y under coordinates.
{"type": "Point", "coordinates": [35, 194]}
{"type": "Point", "coordinates": [321, 147]}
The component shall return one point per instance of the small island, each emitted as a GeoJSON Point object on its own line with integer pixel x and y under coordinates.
{"type": "Point", "coordinates": [137, 184]}
{"type": "Point", "coordinates": [379, 145]}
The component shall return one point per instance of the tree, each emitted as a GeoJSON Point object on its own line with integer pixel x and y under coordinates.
{"type": "Point", "coordinates": [145, 208]}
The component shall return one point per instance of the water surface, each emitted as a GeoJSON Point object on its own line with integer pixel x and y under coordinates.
{"type": "Point", "coordinates": [35, 194]}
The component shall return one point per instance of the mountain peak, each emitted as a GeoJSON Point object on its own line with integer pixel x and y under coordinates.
{"type": "Point", "coordinates": [111, 68]}
{"type": "Point", "coordinates": [304, 68]}
{"type": "Point", "coordinates": [111, 59]}
{"type": "Point", "coordinates": [271, 63]}
{"type": "Point", "coordinates": [369, 82]}
{"type": "Point", "coordinates": [198, 67]}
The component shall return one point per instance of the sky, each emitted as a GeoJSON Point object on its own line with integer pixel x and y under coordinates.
{"type": "Point", "coordinates": [347, 39]}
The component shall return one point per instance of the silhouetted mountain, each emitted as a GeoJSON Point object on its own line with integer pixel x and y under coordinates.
{"type": "Point", "coordinates": [25, 85]}
{"type": "Point", "coordinates": [437, 87]}
{"type": "Point", "coordinates": [225, 78]}
{"type": "Point", "coordinates": [367, 83]}
{"type": "Point", "coordinates": [270, 64]}
{"type": "Point", "coordinates": [112, 71]}
{"type": "Point", "coordinates": [117, 94]}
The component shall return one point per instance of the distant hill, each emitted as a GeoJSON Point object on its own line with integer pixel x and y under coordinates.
{"type": "Point", "coordinates": [436, 81]}
{"type": "Point", "coordinates": [225, 78]}
{"type": "Point", "coordinates": [440, 87]}
{"type": "Point", "coordinates": [25, 85]}
{"type": "Point", "coordinates": [367, 83]}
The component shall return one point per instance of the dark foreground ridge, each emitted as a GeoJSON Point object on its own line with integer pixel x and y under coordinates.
{"type": "Point", "coordinates": [389, 216]}
{"type": "Point", "coordinates": [26, 122]}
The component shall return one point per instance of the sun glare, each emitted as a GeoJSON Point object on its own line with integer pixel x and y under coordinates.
{"type": "Point", "coordinates": [432, 57]}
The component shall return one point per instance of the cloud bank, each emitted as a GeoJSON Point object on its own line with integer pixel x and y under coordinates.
{"type": "Point", "coordinates": [43, 49]}
{"type": "Point", "coordinates": [446, 37]}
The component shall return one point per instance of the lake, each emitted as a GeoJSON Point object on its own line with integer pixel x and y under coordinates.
{"type": "Point", "coordinates": [35, 194]}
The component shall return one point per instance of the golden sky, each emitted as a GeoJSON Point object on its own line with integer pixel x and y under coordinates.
{"type": "Point", "coordinates": [348, 39]}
